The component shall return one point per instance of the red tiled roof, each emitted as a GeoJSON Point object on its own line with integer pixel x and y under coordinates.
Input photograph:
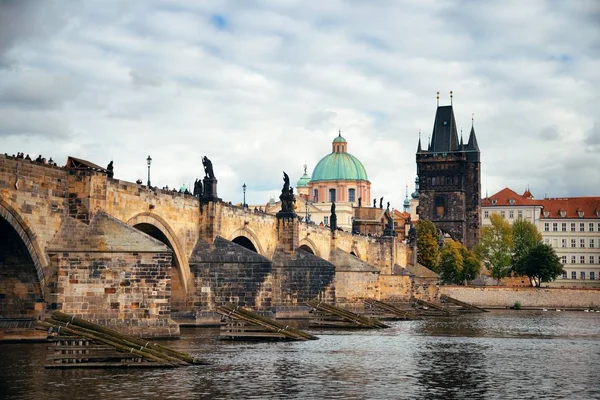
{"type": "Point", "coordinates": [504, 196]}
{"type": "Point", "coordinates": [589, 206]}
{"type": "Point", "coordinates": [401, 214]}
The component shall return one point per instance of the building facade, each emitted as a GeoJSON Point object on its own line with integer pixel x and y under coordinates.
{"type": "Point", "coordinates": [449, 174]}
{"type": "Point", "coordinates": [571, 225]}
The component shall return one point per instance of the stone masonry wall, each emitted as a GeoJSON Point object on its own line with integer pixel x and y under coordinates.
{"type": "Point", "coordinates": [126, 291]}
{"type": "Point", "coordinates": [528, 297]}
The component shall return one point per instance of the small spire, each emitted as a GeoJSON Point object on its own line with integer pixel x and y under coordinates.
{"type": "Point", "coordinates": [340, 132]}
{"type": "Point", "coordinates": [305, 166]}
{"type": "Point", "coordinates": [419, 146]}
{"type": "Point", "coordinates": [461, 138]}
{"type": "Point", "coordinates": [451, 97]}
{"type": "Point", "coordinates": [438, 98]}
{"type": "Point", "coordinates": [472, 119]}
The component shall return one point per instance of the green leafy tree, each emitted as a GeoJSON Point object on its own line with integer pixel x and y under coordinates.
{"type": "Point", "coordinates": [451, 262]}
{"type": "Point", "coordinates": [427, 244]}
{"type": "Point", "coordinates": [542, 264]}
{"type": "Point", "coordinates": [525, 237]}
{"type": "Point", "coordinates": [471, 265]}
{"type": "Point", "coordinates": [495, 246]}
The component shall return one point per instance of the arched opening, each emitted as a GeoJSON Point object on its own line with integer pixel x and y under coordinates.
{"type": "Point", "coordinates": [20, 290]}
{"type": "Point", "coordinates": [245, 242]}
{"type": "Point", "coordinates": [178, 294]}
{"type": "Point", "coordinates": [307, 249]}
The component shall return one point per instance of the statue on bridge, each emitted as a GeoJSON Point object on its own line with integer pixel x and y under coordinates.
{"type": "Point", "coordinates": [208, 168]}
{"type": "Point", "coordinates": [333, 218]}
{"type": "Point", "coordinates": [287, 199]}
{"type": "Point", "coordinates": [381, 202]}
{"type": "Point", "coordinates": [109, 170]}
{"type": "Point", "coordinates": [374, 203]}
{"type": "Point", "coordinates": [209, 192]}
{"type": "Point", "coordinates": [197, 188]}
{"type": "Point", "coordinates": [359, 202]}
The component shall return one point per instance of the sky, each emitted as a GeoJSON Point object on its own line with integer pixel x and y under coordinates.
{"type": "Point", "coordinates": [262, 87]}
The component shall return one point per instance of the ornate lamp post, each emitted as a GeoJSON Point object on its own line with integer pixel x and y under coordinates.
{"type": "Point", "coordinates": [307, 214]}
{"type": "Point", "coordinates": [244, 189]}
{"type": "Point", "coordinates": [149, 161]}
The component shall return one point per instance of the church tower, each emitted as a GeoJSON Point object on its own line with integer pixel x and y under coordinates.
{"type": "Point", "coordinates": [449, 174]}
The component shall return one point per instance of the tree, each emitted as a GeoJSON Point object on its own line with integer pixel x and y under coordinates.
{"type": "Point", "coordinates": [471, 265]}
{"type": "Point", "coordinates": [427, 244]}
{"type": "Point", "coordinates": [495, 246]}
{"type": "Point", "coordinates": [542, 264]}
{"type": "Point", "coordinates": [451, 262]}
{"type": "Point", "coordinates": [525, 237]}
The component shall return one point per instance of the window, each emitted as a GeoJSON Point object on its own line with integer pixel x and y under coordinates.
{"type": "Point", "coordinates": [581, 242]}
{"type": "Point", "coordinates": [582, 227]}
{"type": "Point", "coordinates": [351, 195]}
{"type": "Point", "coordinates": [591, 227]}
{"type": "Point", "coordinates": [573, 258]}
{"type": "Point", "coordinates": [547, 242]}
{"type": "Point", "coordinates": [598, 228]}
{"type": "Point", "coordinates": [581, 259]}
{"type": "Point", "coordinates": [564, 226]}
{"type": "Point", "coordinates": [511, 214]}
{"type": "Point", "coordinates": [546, 227]}
{"type": "Point", "coordinates": [573, 275]}
{"type": "Point", "coordinates": [564, 275]}
{"type": "Point", "coordinates": [440, 206]}
{"type": "Point", "coordinates": [563, 243]}
{"type": "Point", "coordinates": [332, 195]}
{"type": "Point", "coordinates": [592, 275]}
{"type": "Point", "coordinates": [591, 243]}
{"type": "Point", "coordinates": [486, 214]}
{"type": "Point", "coordinates": [502, 214]}
{"type": "Point", "coordinates": [326, 220]}
{"type": "Point", "coordinates": [572, 226]}
{"type": "Point", "coordinates": [582, 275]}
{"type": "Point", "coordinates": [316, 195]}
{"type": "Point", "coordinates": [573, 243]}
{"type": "Point", "coordinates": [592, 259]}
{"type": "Point", "coordinates": [563, 259]}
{"type": "Point", "coordinates": [555, 227]}
{"type": "Point", "coordinates": [519, 214]}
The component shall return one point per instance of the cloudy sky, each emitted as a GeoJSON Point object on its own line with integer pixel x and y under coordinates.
{"type": "Point", "coordinates": [263, 86]}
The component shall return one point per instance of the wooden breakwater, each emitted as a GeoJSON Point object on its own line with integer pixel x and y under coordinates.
{"type": "Point", "coordinates": [76, 342]}
{"type": "Point", "coordinates": [242, 324]}
{"type": "Point", "coordinates": [325, 315]}
{"type": "Point", "coordinates": [390, 311]}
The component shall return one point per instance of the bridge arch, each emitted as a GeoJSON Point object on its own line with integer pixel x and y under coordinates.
{"type": "Point", "coordinates": [249, 236]}
{"type": "Point", "coordinates": [308, 245]}
{"type": "Point", "coordinates": [23, 264]}
{"type": "Point", "coordinates": [155, 226]}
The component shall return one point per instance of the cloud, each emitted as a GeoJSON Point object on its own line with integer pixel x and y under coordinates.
{"type": "Point", "coordinates": [263, 87]}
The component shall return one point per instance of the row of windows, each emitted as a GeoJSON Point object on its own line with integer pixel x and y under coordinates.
{"type": "Point", "coordinates": [573, 259]}
{"type": "Point", "coordinates": [511, 214]}
{"type": "Point", "coordinates": [582, 275]}
{"type": "Point", "coordinates": [333, 197]}
{"type": "Point", "coordinates": [563, 227]}
{"type": "Point", "coordinates": [441, 180]}
{"type": "Point", "coordinates": [573, 242]}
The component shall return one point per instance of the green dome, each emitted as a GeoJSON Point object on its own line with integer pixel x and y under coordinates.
{"type": "Point", "coordinates": [339, 139]}
{"type": "Point", "coordinates": [303, 181]}
{"type": "Point", "coordinates": [339, 166]}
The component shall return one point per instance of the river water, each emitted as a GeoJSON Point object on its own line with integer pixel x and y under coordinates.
{"type": "Point", "coordinates": [496, 355]}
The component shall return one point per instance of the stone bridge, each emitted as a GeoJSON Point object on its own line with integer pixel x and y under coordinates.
{"type": "Point", "coordinates": [123, 254]}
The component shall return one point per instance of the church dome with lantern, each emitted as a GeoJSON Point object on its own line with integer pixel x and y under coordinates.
{"type": "Point", "coordinates": [339, 177]}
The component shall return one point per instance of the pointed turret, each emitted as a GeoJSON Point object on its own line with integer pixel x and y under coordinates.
{"type": "Point", "coordinates": [472, 145]}
{"type": "Point", "coordinates": [419, 146]}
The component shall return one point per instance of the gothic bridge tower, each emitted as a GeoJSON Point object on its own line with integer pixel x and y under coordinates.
{"type": "Point", "coordinates": [450, 179]}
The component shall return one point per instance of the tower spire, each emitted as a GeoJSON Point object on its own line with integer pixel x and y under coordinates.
{"type": "Point", "coordinates": [419, 146]}
{"type": "Point", "coordinates": [438, 98]}
{"type": "Point", "coordinates": [451, 97]}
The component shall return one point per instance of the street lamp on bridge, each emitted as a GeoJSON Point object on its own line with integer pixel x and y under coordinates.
{"type": "Point", "coordinates": [149, 161]}
{"type": "Point", "coordinates": [244, 189]}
